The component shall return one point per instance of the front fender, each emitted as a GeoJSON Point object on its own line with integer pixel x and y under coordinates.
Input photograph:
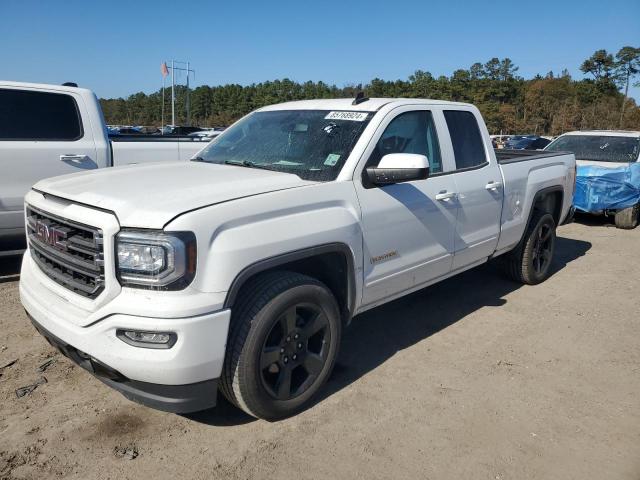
{"type": "Point", "coordinates": [236, 235]}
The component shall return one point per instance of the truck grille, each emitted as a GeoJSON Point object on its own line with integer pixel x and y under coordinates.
{"type": "Point", "coordinates": [69, 253]}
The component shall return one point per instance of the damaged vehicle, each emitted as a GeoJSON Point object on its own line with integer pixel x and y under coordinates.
{"type": "Point", "coordinates": [608, 174]}
{"type": "Point", "coordinates": [239, 270]}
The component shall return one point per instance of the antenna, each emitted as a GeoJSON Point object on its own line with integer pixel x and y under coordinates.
{"type": "Point", "coordinates": [359, 98]}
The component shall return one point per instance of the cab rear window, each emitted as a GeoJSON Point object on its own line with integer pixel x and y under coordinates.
{"type": "Point", "coordinates": [466, 139]}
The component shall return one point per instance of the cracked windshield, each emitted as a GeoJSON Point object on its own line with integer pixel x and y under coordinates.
{"type": "Point", "coordinates": [312, 144]}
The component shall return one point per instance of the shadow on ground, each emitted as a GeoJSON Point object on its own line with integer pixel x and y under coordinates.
{"type": "Point", "coordinates": [378, 334]}
{"type": "Point", "coordinates": [224, 414]}
{"type": "Point", "coordinates": [594, 220]}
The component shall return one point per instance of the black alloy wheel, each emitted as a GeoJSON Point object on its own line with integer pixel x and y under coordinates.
{"type": "Point", "coordinates": [542, 252]}
{"type": "Point", "coordinates": [295, 351]}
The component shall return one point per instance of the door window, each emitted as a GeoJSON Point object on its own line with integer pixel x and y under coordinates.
{"type": "Point", "coordinates": [28, 115]}
{"type": "Point", "coordinates": [468, 147]}
{"type": "Point", "coordinates": [410, 132]}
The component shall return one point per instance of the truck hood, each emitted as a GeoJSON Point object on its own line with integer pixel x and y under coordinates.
{"type": "Point", "coordinates": [151, 195]}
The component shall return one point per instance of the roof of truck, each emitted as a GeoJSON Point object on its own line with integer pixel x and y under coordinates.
{"type": "Point", "coordinates": [613, 133]}
{"type": "Point", "coordinates": [369, 105]}
{"type": "Point", "coordinates": [42, 86]}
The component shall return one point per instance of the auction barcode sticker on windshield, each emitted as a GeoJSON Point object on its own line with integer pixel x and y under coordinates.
{"type": "Point", "coordinates": [353, 116]}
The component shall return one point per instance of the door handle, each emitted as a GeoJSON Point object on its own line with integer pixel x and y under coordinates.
{"type": "Point", "coordinates": [445, 196]}
{"type": "Point", "coordinates": [69, 157]}
{"type": "Point", "coordinates": [493, 185]}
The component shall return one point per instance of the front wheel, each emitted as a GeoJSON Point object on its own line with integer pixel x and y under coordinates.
{"type": "Point", "coordinates": [284, 340]}
{"type": "Point", "coordinates": [530, 263]}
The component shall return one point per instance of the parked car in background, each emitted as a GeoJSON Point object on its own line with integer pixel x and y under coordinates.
{"type": "Point", "coordinates": [238, 270]}
{"type": "Point", "coordinates": [126, 131]}
{"type": "Point", "coordinates": [608, 177]}
{"type": "Point", "coordinates": [178, 130]}
{"type": "Point", "coordinates": [209, 133]}
{"type": "Point", "coordinates": [498, 140]}
{"type": "Point", "coordinates": [526, 142]}
{"type": "Point", "coordinates": [49, 130]}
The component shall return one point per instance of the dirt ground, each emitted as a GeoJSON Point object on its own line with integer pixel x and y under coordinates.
{"type": "Point", "coordinates": [476, 377]}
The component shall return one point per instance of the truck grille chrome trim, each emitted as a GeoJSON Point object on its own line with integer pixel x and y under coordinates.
{"type": "Point", "coordinates": [70, 253]}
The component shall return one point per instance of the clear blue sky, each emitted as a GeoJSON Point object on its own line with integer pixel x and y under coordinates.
{"type": "Point", "coordinates": [115, 48]}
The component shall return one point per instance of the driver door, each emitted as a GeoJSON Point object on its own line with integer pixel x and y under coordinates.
{"type": "Point", "coordinates": [408, 228]}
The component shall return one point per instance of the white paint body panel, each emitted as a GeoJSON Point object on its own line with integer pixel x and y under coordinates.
{"type": "Point", "coordinates": [479, 208]}
{"type": "Point", "coordinates": [150, 195]}
{"type": "Point", "coordinates": [131, 153]}
{"type": "Point", "coordinates": [241, 216]}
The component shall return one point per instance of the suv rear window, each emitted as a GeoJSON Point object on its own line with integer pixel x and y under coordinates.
{"type": "Point", "coordinates": [28, 115]}
{"type": "Point", "coordinates": [466, 139]}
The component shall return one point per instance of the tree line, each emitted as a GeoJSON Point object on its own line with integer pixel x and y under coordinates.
{"type": "Point", "coordinates": [545, 104]}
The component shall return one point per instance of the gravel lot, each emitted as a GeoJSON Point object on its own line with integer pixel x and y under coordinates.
{"type": "Point", "coordinates": [476, 377]}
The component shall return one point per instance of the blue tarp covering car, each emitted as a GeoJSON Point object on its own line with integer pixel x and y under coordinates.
{"type": "Point", "coordinates": [610, 182]}
{"type": "Point", "coordinates": [602, 188]}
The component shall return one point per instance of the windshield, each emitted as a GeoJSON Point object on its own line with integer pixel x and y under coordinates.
{"type": "Point", "coordinates": [598, 148]}
{"type": "Point", "coordinates": [312, 144]}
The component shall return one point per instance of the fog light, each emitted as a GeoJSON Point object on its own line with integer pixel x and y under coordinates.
{"type": "Point", "coordinates": [137, 338]}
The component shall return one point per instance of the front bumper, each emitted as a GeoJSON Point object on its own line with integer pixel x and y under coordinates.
{"type": "Point", "coordinates": [192, 397]}
{"type": "Point", "coordinates": [178, 379]}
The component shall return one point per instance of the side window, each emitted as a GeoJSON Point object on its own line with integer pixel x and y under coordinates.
{"type": "Point", "coordinates": [28, 115]}
{"type": "Point", "coordinates": [468, 147]}
{"type": "Point", "coordinates": [410, 132]}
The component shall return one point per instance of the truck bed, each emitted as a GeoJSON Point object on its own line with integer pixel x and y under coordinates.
{"type": "Point", "coordinates": [526, 173]}
{"type": "Point", "coordinates": [143, 137]}
{"type": "Point", "coordinates": [511, 156]}
{"type": "Point", "coordinates": [128, 149]}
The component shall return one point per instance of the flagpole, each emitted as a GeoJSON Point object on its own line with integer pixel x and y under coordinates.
{"type": "Point", "coordinates": [162, 121]}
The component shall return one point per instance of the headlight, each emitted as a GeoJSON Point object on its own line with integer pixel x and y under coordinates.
{"type": "Point", "coordinates": [155, 259]}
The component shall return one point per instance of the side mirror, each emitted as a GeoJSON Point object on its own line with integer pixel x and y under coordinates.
{"type": "Point", "coordinates": [398, 168]}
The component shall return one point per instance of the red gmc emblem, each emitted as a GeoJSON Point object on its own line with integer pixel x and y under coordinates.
{"type": "Point", "coordinates": [50, 235]}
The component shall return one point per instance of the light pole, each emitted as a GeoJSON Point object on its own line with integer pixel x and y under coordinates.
{"type": "Point", "coordinates": [173, 94]}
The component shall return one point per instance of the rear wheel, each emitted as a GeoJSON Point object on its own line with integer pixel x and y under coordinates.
{"type": "Point", "coordinates": [628, 218]}
{"type": "Point", "coordinates": [283, 344]}
{"type": "Point", "coordinates": [530, 263]}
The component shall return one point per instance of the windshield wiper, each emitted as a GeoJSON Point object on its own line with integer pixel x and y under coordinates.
{"type": "Point", "coordinates": [247, 163]}
{"type": "Point", "coordinates": [198, 159]}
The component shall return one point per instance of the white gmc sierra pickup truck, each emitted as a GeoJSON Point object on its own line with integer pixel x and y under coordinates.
{"type": "Point", "coordinates": [48, 130]}
{"type": "Point", "coordinates": [239, 270]}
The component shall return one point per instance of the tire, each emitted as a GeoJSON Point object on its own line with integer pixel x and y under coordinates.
{"type": "Point", "coordinates": [530, 262]}
{"type": "Point", "coordinates": [273, 339]}
{"type": "Point", "coordinates": [628, 217]}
